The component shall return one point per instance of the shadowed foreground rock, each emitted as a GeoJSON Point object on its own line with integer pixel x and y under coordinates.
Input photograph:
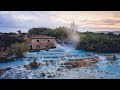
{"type": "Point", "coordinates": [110, 57]}
{"type": "Point", "coordinates": [32, 65]}
{"type": "Point", "coordinates": [2, 71]}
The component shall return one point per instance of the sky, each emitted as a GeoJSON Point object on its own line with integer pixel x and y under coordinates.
{"type": "Point", "coordinates": [11, 21]}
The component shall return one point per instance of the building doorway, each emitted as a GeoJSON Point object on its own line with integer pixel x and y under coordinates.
{"type": "Point", "coordinates": [38, 47]}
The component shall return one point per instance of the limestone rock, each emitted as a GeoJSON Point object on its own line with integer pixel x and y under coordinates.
{"type": "Point", "coordinates": [73, 63]}
{"type": "Point", "coordinates": [111, 57]}
{"type": "Point", "coordinates": [1, 72]}
{"type": "Point", "coordinates": [32, 65]}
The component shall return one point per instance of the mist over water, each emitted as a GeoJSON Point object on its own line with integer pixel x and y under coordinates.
{"type": "Point", "coordinates": [75, 38]}
{"type": "Point", "coordinates": [73, 35]}
{"type": "Point", "coordinates": [71, 39]}
{"type": "Point", "coordinates": [66, 47]}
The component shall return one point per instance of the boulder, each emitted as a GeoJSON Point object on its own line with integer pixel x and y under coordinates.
{"type": "Point", "coordinates": [73, 63]}
{"type": "Point", "coordinates": [69, 66]}
{"type": "Point", "coordinates": [59, 69]}
{"type": "Point", "coordinates": [32, 65]}
{"type": "Point", "coordinates": [1, 72]}
{"type": "Point", "coordinates": [3, 59]}
{"type": "Point", "coordinates": [27, 67]}
{"type": "Point", "coordinates": [8, 68]}
{"type": "Point", "coordinates": [43, 74]}
{"type": "Point", "coordinates": [111, 57]}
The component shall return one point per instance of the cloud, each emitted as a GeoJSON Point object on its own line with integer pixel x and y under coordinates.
{"type": "Point", "coordinates": [117, 14]}
{"type": "Point", "coordinates": [53, 19]}
{"type": "Point", "coordinates": [110, 21]}
{"type": "Point", "coordinates": [27, 19]}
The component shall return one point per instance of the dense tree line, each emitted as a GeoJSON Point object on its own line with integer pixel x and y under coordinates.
{"type": "Point", "coordinates": [7, 40]}
{"type": "Point", "coordinates": [17, 49]}
{"type": "Point", "coordinates": [99, 42]}
{"type": "Point", "coordinates": [60, 33]}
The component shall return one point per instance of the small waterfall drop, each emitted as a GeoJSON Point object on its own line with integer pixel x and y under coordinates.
{"type": "Point", "coordinates": [118, 57]}
{"type": "Point", "coordinates": [102, 58]}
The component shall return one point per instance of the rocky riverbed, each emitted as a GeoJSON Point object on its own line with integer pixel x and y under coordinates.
{"type": "Point", "coordinates": [74, 65]}
{"type": "Point", "coordinates": [58, 73]}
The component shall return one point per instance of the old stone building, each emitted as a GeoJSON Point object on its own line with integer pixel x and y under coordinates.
{"type": "Point", "coordinates": [42, 42]}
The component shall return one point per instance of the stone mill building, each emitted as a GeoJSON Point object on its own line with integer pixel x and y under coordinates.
{"type": "Point", "coordinates": [42, 42]}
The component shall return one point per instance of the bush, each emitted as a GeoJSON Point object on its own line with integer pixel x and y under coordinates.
{"type": "Point", "coordinates": [100, 42]}
{"type": "Point", "coordinates": [17, 49]}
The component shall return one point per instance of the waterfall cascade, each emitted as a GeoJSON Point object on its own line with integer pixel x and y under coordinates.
{"type": "Point", "coordinates": [118, 57]}
{"type": "Point", "coordinates": [65, 47]}
{"type": "Point", "coordinates": [102, 58]}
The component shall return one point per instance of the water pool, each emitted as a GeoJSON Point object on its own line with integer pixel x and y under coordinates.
{"type": "Point", "coordinates": [97, 70]}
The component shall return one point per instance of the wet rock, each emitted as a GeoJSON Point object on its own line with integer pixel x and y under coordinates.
{"type": "Point", "coordinates": [69, 66]}
{"type": "Point", "coordinates": [43, 74]}
{"type": "Point", "coordinates": [47, 50]}
{"type": "Point", "coordinates": [47, 63]}
{"type": "Point", "coordinates": [1, 72]}
{"type": "Point", "coordinates": [59, 69]}
{"type": "Point", "coordinates": [28, 60]}
{"type": "Point", "coordinates": [73, 63]}
{"type": "Point", "coordinates": [87, 54]}
{"type": "Point", "coordinates": [32, 65]}
{"type": "Point", "coordinates": [8, 68]}
{"type": "Point", "coordinates": [27, 67]}
{"type": "Point", "coordinates": [50, 76]}
{"type": "Point", "coordinates": [18, 67]}
{"type": "Point", "coordinates": [15, 74]}
{"type": "Point", "coordinates": [3, 59]}
{"type": "Point", "coordinates": [111, 57]}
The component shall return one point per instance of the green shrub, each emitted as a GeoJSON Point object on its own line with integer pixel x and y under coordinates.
{"type": "Point", "coordinates": [17, 49]}
{"type": "Point", "coordinates": [100, 42]}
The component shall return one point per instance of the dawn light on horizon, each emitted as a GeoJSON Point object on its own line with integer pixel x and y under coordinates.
{"type": "Point", "coordinates": [84, 20]}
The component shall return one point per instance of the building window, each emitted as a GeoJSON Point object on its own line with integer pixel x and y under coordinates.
{"type": "Point", "coordinates": [37, 40]}
{"type": "Point", "coordinates": [48, 40]}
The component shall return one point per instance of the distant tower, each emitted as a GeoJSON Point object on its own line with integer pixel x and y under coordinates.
{"type": "Point", "coordinates": [73, 27]}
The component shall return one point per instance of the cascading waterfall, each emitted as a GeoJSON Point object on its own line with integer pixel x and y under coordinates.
{"type": "Point", "coordinates": [118, 57]}
{"type": "Point", "coordinates": [65, 47]}
{"type": "Point", "coordinates": [58, 46]}
{"type": "Point", "coordinates": [102, 58]}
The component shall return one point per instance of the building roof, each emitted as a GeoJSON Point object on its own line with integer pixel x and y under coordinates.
{"type": "Point", "coordinates": [41, 37]}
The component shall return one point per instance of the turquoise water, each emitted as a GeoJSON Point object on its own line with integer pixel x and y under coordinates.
{"type": "Point", "coordinates": [109, 66]}
{"type": "Point", "coordinates": [57, 54]}
{"type": "Point", "coordinates": [52, 54]}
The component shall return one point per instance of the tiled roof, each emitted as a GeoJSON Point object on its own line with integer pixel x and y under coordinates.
{"type": "Point", "coordinates": [41, 37]}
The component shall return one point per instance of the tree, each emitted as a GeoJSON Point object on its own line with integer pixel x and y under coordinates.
{"type": "Point", "coordinates": [17, 49]}
{"type": "Point", "coordinates": [111, 33]}
{"type": "Point", "coordinates": [12, 33]}
{"type": "Point", "coordinates": [19, 31]}
{"type": "Point", "coordinates": [100, 43]}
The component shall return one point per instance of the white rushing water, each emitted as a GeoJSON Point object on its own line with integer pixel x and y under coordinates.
{"type": "Point", "coordinates": [57, 70]}
{"type": "Point", "coordinates": [65, 47]}
{"type": "Point", "coordinates": [118, 57]}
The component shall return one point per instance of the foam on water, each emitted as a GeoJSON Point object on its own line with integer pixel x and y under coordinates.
{"type": "Point", "coordinates": [102, 69]}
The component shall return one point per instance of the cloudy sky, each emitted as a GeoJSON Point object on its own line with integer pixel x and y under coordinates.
{"type": "Point", "coordinates": [84, 20]}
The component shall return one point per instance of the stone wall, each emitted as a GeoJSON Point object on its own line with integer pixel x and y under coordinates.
{"type": "Point", "coordinates": [42, 43]}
